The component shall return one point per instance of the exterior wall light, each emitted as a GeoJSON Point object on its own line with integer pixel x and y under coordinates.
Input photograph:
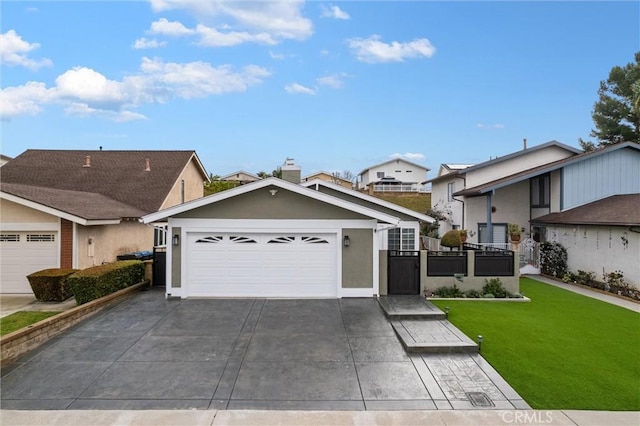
{"type": "Point", "coordinates": [176, 240]}
{"type": "Point", "coordinates": [346, 241]}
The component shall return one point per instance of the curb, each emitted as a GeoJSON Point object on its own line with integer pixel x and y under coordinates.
{"type": "Point", "coordinates": [14, 344]}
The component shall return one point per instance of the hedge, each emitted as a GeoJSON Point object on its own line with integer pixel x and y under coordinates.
{"type": "Point", "coordinates": [98, 281]}
{"type": "Point", "coordinates": [51, 285]}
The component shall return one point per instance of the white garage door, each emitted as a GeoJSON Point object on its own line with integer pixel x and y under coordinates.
{"type": "Point", "coordinates": [22, 253]}
{"type": "Point", "coordinates": [261, 265]}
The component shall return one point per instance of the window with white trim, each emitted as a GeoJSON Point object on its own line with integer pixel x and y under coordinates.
{"type": "Point", "coordinates": [379, 175]}
{"type": "Point", "coordinates": [10, 238]}
{"type": "Point", "coordinates": [40, 238]}
{"type": "Point", "coordinates": [159, 236]}
{"type": "Point", "coordinates": [401, 239]}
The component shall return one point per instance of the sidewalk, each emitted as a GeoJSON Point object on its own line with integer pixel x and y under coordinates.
{"type": "Point", "coordinates": [618, 301]}
{"type": "Point", "coordinates": [249, 417]}
{"type": "Point", "coordinates": [11, 303]}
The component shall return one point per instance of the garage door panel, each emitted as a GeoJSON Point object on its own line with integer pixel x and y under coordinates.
{"type": "Point", "coordinates": [21, 254]}
{"type": "Point", "coordinates": [262, 265]}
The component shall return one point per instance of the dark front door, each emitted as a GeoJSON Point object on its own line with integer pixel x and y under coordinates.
{"type": "Point", "coordinates": [403, 272]}
{"type": "Point", "coordinates": [159, 266]}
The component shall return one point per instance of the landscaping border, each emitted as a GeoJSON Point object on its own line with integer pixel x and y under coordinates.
{"type": "Point", "coordinates": [21, 341]}
{"type": "Point", "coordinates": [482, 299]}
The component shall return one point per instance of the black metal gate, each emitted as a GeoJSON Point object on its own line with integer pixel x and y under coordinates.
{"type": "Point", "coordinates": [403, 272]}
{"type": "Point", "coordinates": [159, 266]}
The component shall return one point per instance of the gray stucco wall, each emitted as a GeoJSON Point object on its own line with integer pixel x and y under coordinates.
{"type": "Point", "coordinates": [176, 267]}
{"type": "Point", "coordinates": [357, 259]}
{"type": "Point", "coordinates": [383, 273]}
{"type": "Point", "coordinates": [260, 204]}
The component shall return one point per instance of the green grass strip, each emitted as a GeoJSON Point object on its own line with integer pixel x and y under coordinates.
{"type": "Point", "coordinates": [21, 319]}
{"type": "Point", "coordinates": [560, 351]}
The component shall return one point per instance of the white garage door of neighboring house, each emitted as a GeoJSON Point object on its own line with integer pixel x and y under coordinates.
{"type": "Point", "coordinates": [22, 253]}
{"type": "Point", "coordinates": [261, 265]}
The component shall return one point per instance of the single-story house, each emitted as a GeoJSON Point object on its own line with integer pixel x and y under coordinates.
{"type": "Point", "coordinates": [76, 209]}
{"type": "Point", "coordinates": [274, 238]}
{"type": "Point", "coordinates": [328, 177]}
{"type": "Point", "coordinates": [241, 177]}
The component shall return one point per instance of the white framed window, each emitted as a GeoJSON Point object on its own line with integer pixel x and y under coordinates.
{"type": "Point", "coordinates": [401, 239]}
{"type": "Point", "coordinates": [379, 175]}
{"type": "Point", "coordinates": [160, 236]}
{"type": "Point", "coordinates": [10, 238]}
{"type": "Point", "coordinates": [451, 188]}
{"type": "Point", "coordinates": [40, 238]}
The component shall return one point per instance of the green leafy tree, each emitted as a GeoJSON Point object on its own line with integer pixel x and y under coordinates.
{"type": "Point", "coordinates": [216, 185]}
{"type": "Point", "coordinates": [616, 114]}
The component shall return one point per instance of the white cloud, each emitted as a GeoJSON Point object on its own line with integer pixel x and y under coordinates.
{"type": "Point", "coordinates": [14, 50]}
{"type": "Point", "coordinates": [280, 20]}
{"type": "Point", "coordinates": [295, 88]}
{"type": "Point", "coordinates": [278, 56]}
{"type": "Point", "coordinates": [373, 50]}
{"type": "Point", "coordinates": [210, 37]}
{"type": "Point", "coordinates": [490, 126]}
{"type": "Point", "coordinates": [168, 28]}
{"type": "Point", "coordinates": [411, 156]}
{"type": "Point", "coordinates": [143, 43]}
{"type": "Point", "coordinates": [86, 92]}
{"type": "Point", "coordinates": [333, 80]}
{"type": "Point", "coordinates": [333, 12]}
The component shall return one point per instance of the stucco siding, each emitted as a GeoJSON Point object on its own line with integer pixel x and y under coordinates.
{"type": "Point", "coordinates": [452, 209]}
{"type": "Point", "coordinates": [193, 186]}
{"type": "Point", "coordinates": [515, 165]}
{"type": "Point", "coordinates": [357, 259]}
{"type": "Point", "coordinates": [176, 261]}
{"type": "Point", "coordinates": [11, 212]}
{"type": "Point", "coordinates": [110, 241]}
{"type": "Point", "coordinates": [612, 173]}
{"type": "Point", "coordinates": [262, 205]}
{"type": "Point", "coordinates": [592, 248]}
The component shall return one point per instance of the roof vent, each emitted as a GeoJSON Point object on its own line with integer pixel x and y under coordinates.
{"type": "Point", "coordinates": [524, 143]}
{"type": "Point", "coordinates": [87, 161]}
{"type": "Point", "coordinates": [147, 165]}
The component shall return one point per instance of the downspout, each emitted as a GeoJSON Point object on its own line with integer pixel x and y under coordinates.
{"type": "Point", "coordinates": [489, 223]}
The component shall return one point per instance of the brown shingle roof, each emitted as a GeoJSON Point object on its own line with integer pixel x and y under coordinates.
{"type": "Point", "coordinates": [117, 179]}
{"type": "Point", "coordinates": [621, 210]}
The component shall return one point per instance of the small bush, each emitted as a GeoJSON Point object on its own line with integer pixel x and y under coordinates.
{"type": "Point", "coordinates": [494, 286]}
{"type": "Point", "coordinates": [98, 281]}
{"type": "Point", "coordinates": [449, 292]}
{"type": "Point", "coordinates": [472, 294]}
{"type": "Point", "coordinates": [553, 259]}
{"type": "Point", "coordinates": [488, 296]}
{"type": "Point", "coordinates": [50, 285]}
{"type": "Point", "coordinates": [451, 239]}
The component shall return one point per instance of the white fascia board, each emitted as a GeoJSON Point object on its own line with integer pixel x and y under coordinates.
{"type": "Point", "coordinates": [43, 208]}
{"type": "Point", "coordinates": [369, 198]}
{"type": "Point", "coordinates": [263, 183]}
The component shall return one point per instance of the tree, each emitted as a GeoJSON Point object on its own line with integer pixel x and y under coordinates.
{"type": "Point", "coordinates": [337, 177]}
{"type": "Point", "coordinates": [616, 114]}
{"type": "Point", "coordinates": [216, 185]}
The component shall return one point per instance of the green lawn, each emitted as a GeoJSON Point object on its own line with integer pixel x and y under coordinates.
{"type": "Point", "coordinates": [21, 319]}
{"type": "Point", "coordinates": [560, 351]}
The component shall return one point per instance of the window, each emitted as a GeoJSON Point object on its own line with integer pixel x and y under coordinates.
{"type": "Point", "coordinates": [379, 175]}
{"type": "Point", "coordinates": [40, 238]}
{"type": "Point", "coordinates": [401, 239]}
{"type": "Point", "coordinates": [159, 236]}
{"type": "Point", "coordinates": [499, 233]}
{"type": "Point", "coordinates": [398, 171]}
{"type": "Point", "coordinates": [541, 191]}
{"type": "Point", "coordinates": [10, 238]}
{"type": "Point", "coordinates": [409, 171]}
{"type": "Point", "coordinates": [451, 188]}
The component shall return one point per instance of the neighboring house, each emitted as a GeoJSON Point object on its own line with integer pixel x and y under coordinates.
{"type": "Point", "coordinates": [274, 238]}
{"type": "Point", "coordinates": [396, 175]}
{"type": "Point", "coordinates": [75, 209]}
{"type": "Point", "coordinates": [328, 177]}
{"type": "Point", "coordinates": [476, 199]}
{"type": "Point", "coordinates": [241, 177]}
{"type": "Point", "coordinates": [4, 159]}
{"type": "Point", "coordinates": [557, 193]}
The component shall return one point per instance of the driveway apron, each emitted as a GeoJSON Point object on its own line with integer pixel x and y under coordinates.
{"type": "Point", "coordinates": [149, 352]}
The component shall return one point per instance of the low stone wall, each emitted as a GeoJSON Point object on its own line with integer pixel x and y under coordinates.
{"type": "Point", "coordinates": [14, 344]}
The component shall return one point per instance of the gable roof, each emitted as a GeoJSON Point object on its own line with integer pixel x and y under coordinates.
{"type": "Point", "coordinates": [118, 182]}
{"type": "Point", "coordinates": [498, 160]}
{"type": "Point", "coordinates": [540, 170]}
{"type": "Point", "coordinates": [321, 172]}
{"type": "Point", "coordinates": [620, 210]}
{"type": "Point", "coordinates": [373, 200]}
{"type": "Point", "coordinates": [263, 183]}
{"type": "Point", "coordinates": [239, 172]}
{"type": "Point", "coordinates": [391, 161]}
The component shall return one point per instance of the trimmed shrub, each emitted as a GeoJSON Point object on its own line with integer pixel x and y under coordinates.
{"type": "Point", "coordinates": [449, 292]}
{"type": "Point", "coordinates": [98, 281]}
{"type": "Point", "coordinates": [50, 285]}
{"type": "Point", "coordinates": [472, 294]}
{"type": "Point", "coordinates": [451, 239]}
{"type": "Point", "coordinates": [494, 286]}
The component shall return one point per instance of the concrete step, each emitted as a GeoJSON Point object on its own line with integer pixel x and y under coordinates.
{"type": "Point", "coordinates": [410, 307]}
{"type": "Point", "coordinates": [439, 336]}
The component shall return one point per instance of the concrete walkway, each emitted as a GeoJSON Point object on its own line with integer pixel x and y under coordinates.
{"type": "Point", "coordinates": [623, 303]}
{"type": "Point", "coordinates": [11, 303]}
{"type": "Point", "coordinates": [250, 417]}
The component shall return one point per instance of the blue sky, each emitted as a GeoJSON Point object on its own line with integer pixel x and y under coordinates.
{"type": "Point", "coordinates": [335, 85]}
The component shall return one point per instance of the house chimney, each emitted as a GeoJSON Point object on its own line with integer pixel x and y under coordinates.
{"type": "Point", "coordinates": [87, 161]}
{"type": "Point", "coordinates": [290, 172]}
{"type": "Point", "coordinates": [524, 143]}
{"type": "Point", "coordinates": [147, 167]}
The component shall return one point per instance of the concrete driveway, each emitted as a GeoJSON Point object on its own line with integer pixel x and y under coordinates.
{"type": "Point", "coordinates": [152, 353]}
